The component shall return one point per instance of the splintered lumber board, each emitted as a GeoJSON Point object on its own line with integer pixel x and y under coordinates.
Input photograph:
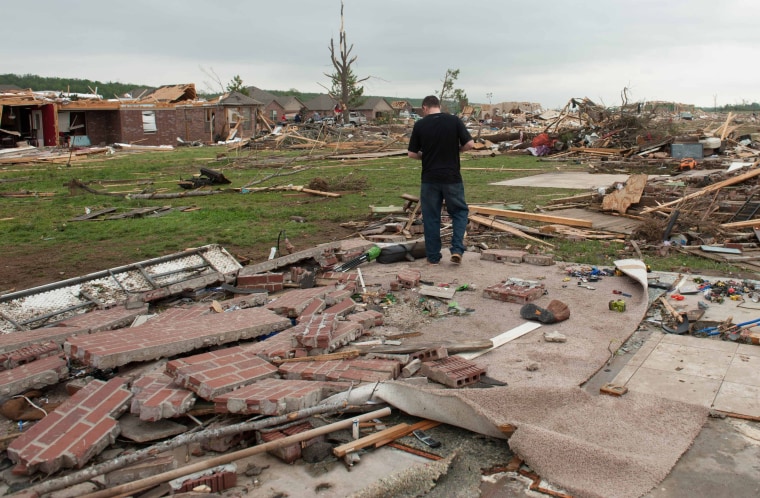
{"type": "Point", "coordinates": [383, 437]}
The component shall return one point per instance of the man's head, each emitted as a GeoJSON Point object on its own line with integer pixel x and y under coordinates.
{"type": "Point", "coordinates": [429, 103]}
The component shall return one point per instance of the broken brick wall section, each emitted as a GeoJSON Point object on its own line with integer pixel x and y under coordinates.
{"type": "Point", "coordinates": [80, 428]}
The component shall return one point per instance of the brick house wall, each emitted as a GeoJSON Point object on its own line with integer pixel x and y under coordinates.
{"type": "Point", "coordinates": [103, 127]}
{"type": "Point", "coordinates": [193, 124]}
{"type": "Point", "coordinates": [132, 126]}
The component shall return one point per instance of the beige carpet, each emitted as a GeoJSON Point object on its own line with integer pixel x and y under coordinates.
{"type": "Point", "coordinates": [591, 445]}
{"type": "Point", "coordinates": [595, 446]}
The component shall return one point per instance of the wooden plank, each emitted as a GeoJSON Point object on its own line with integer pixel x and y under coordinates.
{"type": "Point", "coordinates": [383, 437]}
{"type": "Point", "coordinates": [559, 220]}
{"type": "Point", "coordinates": [742, 224]}
{"type": "Point", "coordinates": [675, 314]}
{"type": "Point", "coordinates": [503, 338]}
{"type": "Point", "coordinates": [394, 432]}
{"type": "Point", "coordinates": [398, 446]}
{"type": "Point", "coordinates": [452, 348]}
{"type": "Point", "coordinates": [723, 250]}
{"type": "Point", "coordinates": [609, 222]}
{"type": "Point", "coordinates": [496, 225]}
{"type": "Point", "coordinates": [621, 200]}
{"type": "Point", "coordinates": [94, 214]}
{"type": "Point", "coordinates": [715, 186]}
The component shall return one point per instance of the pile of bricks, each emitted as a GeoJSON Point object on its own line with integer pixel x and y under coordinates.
{"type": "Point", "coordinates": [230, 354]}
{"type": "Point", "coordinates": [515, 291]}
{"type": "Point", "coordinates": [218, 372]}
{"type": "Point", "coordinates": [174, 332]}
{"type": "Point", "coordinates": [156, 397]}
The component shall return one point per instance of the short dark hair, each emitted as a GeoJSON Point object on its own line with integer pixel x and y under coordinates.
{"type": "Point", "coordinates": [431, 101]}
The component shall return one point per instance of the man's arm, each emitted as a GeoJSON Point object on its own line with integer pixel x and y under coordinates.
{"type": "Point", "coordinates": [415, 155]}
{"type": "Point", "coordinates": [469, 145]}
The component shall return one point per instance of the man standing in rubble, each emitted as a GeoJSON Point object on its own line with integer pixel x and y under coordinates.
{"type": "Point", "coordinates": [437, 139]}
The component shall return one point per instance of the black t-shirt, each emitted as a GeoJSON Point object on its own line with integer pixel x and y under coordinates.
{"type": "Point", "coordinates": [439, 136]}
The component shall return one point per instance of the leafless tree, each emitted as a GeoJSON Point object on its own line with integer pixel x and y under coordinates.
{"type": "Point", "coordinates": [345, 84]}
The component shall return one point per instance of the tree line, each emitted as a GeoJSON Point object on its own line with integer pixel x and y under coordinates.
{"type": "Point", "coordinates": [66, 85]}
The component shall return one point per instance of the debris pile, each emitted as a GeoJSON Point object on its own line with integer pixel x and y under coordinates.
{"type": "Point", "coordinates": [196, 348]}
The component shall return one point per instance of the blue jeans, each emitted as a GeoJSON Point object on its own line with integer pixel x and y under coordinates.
{"type": "Point", "coordinates": [432, 196]}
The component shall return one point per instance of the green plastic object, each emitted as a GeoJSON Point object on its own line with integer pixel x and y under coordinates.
{"type": "Point", "coordinates": [373, 253]}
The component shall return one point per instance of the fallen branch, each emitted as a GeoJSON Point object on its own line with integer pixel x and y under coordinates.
{"type": "Point", "coordinates": [149, 482]}
{"type": "Point", "coordinates": [144, 454]}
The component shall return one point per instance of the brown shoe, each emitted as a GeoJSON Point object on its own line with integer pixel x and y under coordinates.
{"type": "Point", "coordinates": [456, 258]}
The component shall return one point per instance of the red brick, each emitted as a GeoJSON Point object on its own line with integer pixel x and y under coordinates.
{"type": "Point", "coordinates": [175, 334]}
{"type": "Point", "coordinates": [272, 282]}
{"type": "Point", "coordinates": [106, 319]}
{"type": "Point", "coordinates": [28, 353]}
{"type": "Point", "coordinates": [218, 481]}
{"type": "Point", "coordinates": [290, 453]}
{"type": "Point", "coordinates": [453, 371]}
{"type": "Point", "coordinates": [367, 319]}
{"type": "Point", "coordinates": [503, 255]}
{"type": "Point", "coordinates": [65, 438]}
{"type": "Point", "coordinates": [408, 278]}
{"type": "Point", "coordinates": [316, 306]}
{"type": "Point", "coordinates": [539, 259]}
{"type": "Point", "coordinates": [430, 354]}
{"type": "Point", "coordinates": [33, 375]}
{"type": "Point", "coordinates": [270, 397]}
{"type": "Point", "coordinates": [514, 291]}
{"type": "Point", "coordinates": [212, 374]}
{"type": "Point", "coordinates": [341, 308]}
{"type": "Point", "coordinates": [293, 303]}
{"type": "Point", "coordinates": [157, 397]}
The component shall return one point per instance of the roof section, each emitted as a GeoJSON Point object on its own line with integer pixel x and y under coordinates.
{"type": "Point", "coordinates": [261, 95]}
{"type": "Point", "coordinates": [321, 102]}
{"type": "Point", "coordinates": [290, 103]}
{"type": "Point", "coordinates": [139, 92]}
{"type": "Point", "coordinates": [172, 93]}
{"type": "Point", "coordinates": [374, 104]}
{"type": "Point", "coordinates": [237, 98]}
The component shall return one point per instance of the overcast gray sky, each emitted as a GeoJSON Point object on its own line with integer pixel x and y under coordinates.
{"type": "Point", "coordinates": [696, 51]}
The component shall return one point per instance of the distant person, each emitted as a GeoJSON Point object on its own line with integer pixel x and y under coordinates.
{"type": "Point", "coordinates": [283, 119]}
{"type": "Point", "coordinates": [437, 139]}
{"type": "Point", "coordinates": [297, 119]}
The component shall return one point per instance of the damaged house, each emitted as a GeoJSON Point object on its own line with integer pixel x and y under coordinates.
{"type": "Point", "coordinates": [158, 118]}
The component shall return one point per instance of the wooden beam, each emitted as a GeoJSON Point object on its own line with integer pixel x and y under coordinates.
{"type": "Point", "coordinates": [742, 224]}
{"type": "Point", "coordinates": [148, 482]}
{"type": "Point", "coordinates": [382, 437]}
{"type": "Point", "coordinates": [558, 220]}
{"type": "Point", "coordinates": [675, 314]}
{"type": "Point", "coordinates": [754, 171]}
{"type": "Point", "coordinates": [502, 227]}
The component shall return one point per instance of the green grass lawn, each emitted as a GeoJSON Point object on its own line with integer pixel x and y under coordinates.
{"type": "Point", "coordinates": [39, 230]}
